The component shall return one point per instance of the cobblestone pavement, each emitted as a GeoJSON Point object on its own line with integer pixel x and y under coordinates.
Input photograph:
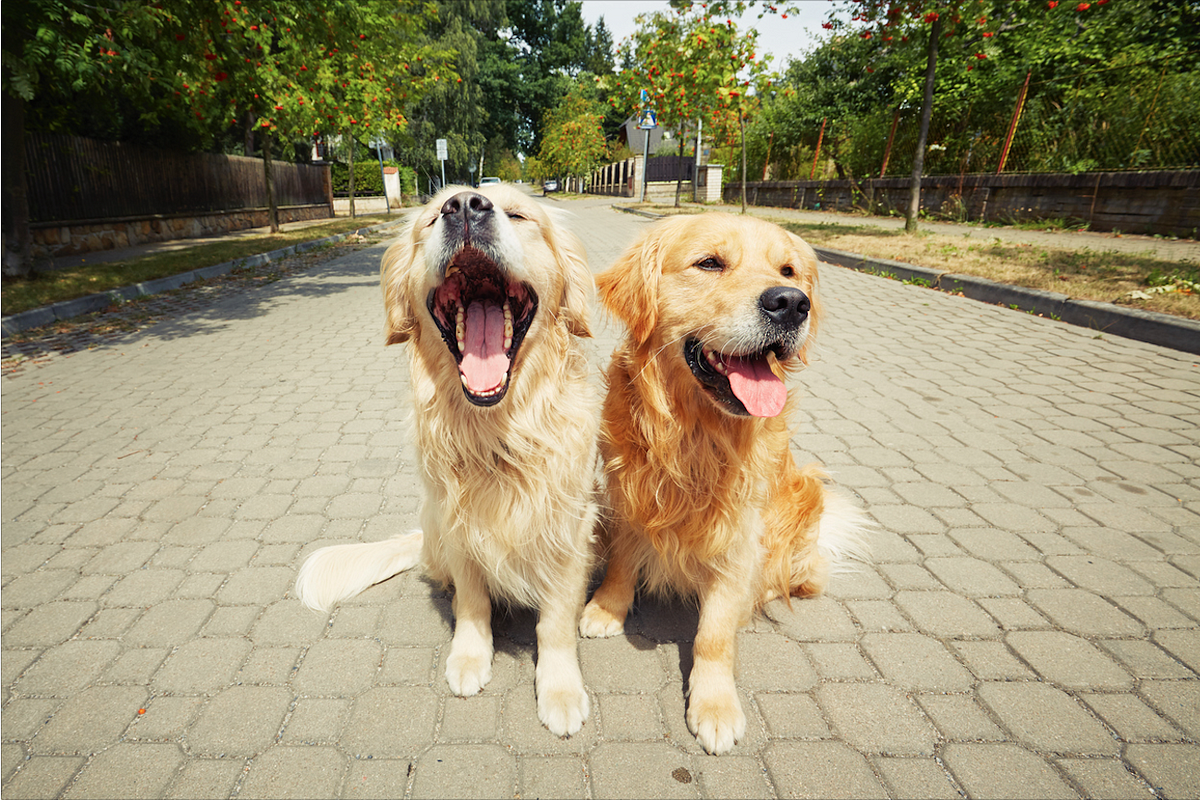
{"type": "Point", "coordinates": [1028, 627]}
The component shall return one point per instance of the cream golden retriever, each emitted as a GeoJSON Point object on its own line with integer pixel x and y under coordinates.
{"type": "Point", "coordinates": [490, 296]}
{"type": "Point", "coordinates": [705, 498]}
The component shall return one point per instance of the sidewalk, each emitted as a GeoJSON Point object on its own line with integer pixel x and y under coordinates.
{"type": "Point", "coordinates": [1029, 625]}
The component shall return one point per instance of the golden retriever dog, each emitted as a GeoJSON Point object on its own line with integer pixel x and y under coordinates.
{"type": "Point", "coordinates": [705, 498]}
{"type": "Point", "coordinates": [490, 296]}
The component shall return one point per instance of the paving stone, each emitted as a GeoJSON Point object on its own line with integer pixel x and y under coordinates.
{"type": "Point", "coordinates": [876, 719]}
{"type": "Point", "coordinates": [1179, 701]}
{"type": "Point", "coordinates": [1046, 719]}
{"type": "Point", "coordinates": [621, 770]}
{"type": "Point", "coordinates": [1004, 771]}
{"type": "Point", "coordinates": [1104, 778]}
{"type": "Point", "coordinates": [338, 667]}
{"type": "Point", "coordinates": [202, 665]}
{"type": "Point", "coordinates": [1145, 659]}
{"type": "Point", "coordinates": [37, 588]}
{"type": "Point", "coordinates": [288, 622]}
{"type": "Point", "coordinates": [821, 620]}
{"type": "Point", "coordinates": [129, 770]}
{"type": "Point", "coordinates": [91, 720]}
{"type": "Point", "coordinates": [465, 771]}
{"type": "Point", "coordinates": [993, 545]}
{"type": "Point", "coordinates": [959, 718]}
{"type": "Point", "coordinates": [1184, 645]}
{"type": "Point", "coordinates": [733, 777]}
{"type": "Point", "coordinates": [773, 662]}
{"type": "Point", "coordinates": [971, 577]}
{"type": "Point", "coordinates": [378, 778]}
{"type": "Point", "coordinates": [916, 662]}
{"type": "Point", "coordinates": [631, 717]}
{"type": "Point", "coordinates": [136, 666]}
{"type": "Point", "coordinates": [946, 614]}
{"type": "Point", "coordinates": [1013, 613]}
{"type": "Point", "coordinates": [240, 721]}
{"type": "Point", "coordinates": [24, 717]}
{"type": "Point", "coordinates": [1131, 718]}
{"type": "Point", "coordinates": [792, 716]}
{"type": "Point", "coordinates": [916, 778]}
{"type": "Point", "coordinates": [1083, 613]}
{"type": "Point", "coordinates": [391, 722]}
{"type": "Point", "coordinates": [629, 663]}
{"type": "Point", "coordinates": [840, 661]}
{"type": "Point", "coordinates": [43, 776]}
{"type": "Point", "coordinates": [166, 719]}
{"type": "Point", "coordinates": [300, 772]}
{"type": "Point", "coordinates": [68, 668]}
{"type": "Point", "coordinates": [820, 770]}
{"type": "Point", "coordinates": [49, 624]}
{"type": "Point", "coordinates": [169, 623]}
{"type": "Point", "coordinates": [1068, 661]}
{"type": "Point", "coordinates": [256, 585]}
{"type": "Point", "coordinates": [1172, 769]}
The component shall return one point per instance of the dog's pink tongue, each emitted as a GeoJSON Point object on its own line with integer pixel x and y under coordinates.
{"type": "Point", "coordinates": [484, 362]}
{"type": "Point", "coordinates": [760, 391]}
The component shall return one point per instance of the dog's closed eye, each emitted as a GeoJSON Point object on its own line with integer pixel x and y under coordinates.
{"type": "Point", "coordinates": [710, 264]}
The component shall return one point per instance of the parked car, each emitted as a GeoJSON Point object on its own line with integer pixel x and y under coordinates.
{"type": "Point", "coordinates": [549, 186]}
{"type": "Point", "coordinates": [486, 181]}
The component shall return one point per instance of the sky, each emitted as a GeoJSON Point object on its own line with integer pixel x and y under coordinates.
{"type": "Point", "coordinates": [780, 37]}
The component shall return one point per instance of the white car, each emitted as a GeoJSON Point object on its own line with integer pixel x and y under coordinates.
{"type": "Point", "coordinates": [549, 186]}
{"type": "Point", "coordinates": [486, 181]}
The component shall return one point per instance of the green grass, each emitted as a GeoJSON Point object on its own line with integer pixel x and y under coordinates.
{"type": "Point", "coordinates": [52, 286]}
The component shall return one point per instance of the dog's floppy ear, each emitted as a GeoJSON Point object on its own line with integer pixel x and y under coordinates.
{"type": "Point", "coordinates": [579, 286]}
{"type": "Point", "coordinates": [401, 323]}
{"type": "Point", "coordinates": [629, 288]}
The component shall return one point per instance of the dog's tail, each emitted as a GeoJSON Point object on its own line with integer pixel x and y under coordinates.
{"type": "Point", "coordinates": [844, 532]}
{"type": "Point", "coordinates": [340, 571]}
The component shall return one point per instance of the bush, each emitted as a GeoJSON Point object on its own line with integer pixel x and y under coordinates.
{"type": "Point", "coordinates": [367, 180]}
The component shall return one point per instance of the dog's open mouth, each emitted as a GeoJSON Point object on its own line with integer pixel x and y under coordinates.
{"type": "Point", "coordinates": [483, 318]}
{"type": "Point", "coordinates": [743, 384]}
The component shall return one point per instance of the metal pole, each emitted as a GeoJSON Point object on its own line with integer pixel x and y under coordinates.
{"type": "Point", "coordinates": [443, 173]}
{"type": "Point", "coordinates": [820, 138]}
{"type": "Point", "coordinates": [645, 165]}
{"type": "Point", "coordinates": [1012, 126]}
{"type": "Point", "coordinates": [382, 177]}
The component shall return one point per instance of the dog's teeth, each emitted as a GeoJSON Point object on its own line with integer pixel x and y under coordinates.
{"type": "Point", "coordinates": [715, 361]}
{"type": "Point", "coordinates": [508, 325]}
{"type": "Point", "coordinates": [460, 328]}
{"type": "Point", "coordinates": [451, 271]}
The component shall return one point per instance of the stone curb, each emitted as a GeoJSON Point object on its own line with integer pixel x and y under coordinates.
{"type": "Point", "coordinates": [66, 309]}
{"type": "Point", "coordinates": [1177, 333]}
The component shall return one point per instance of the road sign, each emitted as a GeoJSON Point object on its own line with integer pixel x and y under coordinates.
{"type": "Point", "coordinates": [442, 152]}
{"type": "Point", "coordinates": [648, 120]}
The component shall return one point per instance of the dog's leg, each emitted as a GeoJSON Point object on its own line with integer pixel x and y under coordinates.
{"type": "Point", "coordinates": [469, 665]}
{"type": "Point", "coordinates": [605, 613]}
{"type": "Point", "coordinates": [714, 712]}
{"type": "Point", "coordinates": [561, 699]}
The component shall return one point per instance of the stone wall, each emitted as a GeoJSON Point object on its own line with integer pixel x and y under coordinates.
{"type": "Point", "coordinates": [57, 239]}
{"type": "Point", "coordinates": [1164, 203]}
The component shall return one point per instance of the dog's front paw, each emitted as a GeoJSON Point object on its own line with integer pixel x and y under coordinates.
{"type": "Point", "coordinates": [598, 623]}
{"type": "Point", "coordinates": [468, 672]}
{"type": "Point", "coordinates": [562, 708]}
{"type": "Point", "coordinates": [716, 719]}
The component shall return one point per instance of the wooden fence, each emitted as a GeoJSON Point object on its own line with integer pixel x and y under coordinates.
{"type": "Point", "coordinates": [74, 180]}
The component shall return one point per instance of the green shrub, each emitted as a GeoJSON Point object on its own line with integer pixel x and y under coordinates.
{"type": "Point", "coordinates": [368, 182]}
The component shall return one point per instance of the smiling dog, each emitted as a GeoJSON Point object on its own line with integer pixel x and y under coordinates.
{"type": "Point", "coordinates": [490, 296]}
{"type": "Point", "coordinates": [705, 497]}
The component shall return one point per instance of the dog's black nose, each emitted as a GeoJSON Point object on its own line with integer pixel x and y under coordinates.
{"type": "Point", "coordinates": [473, 204]}
{"type": "Point", "coordinates": [785, 306]}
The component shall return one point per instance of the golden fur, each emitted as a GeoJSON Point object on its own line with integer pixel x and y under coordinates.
{"type": "Point", "coordinates": [508, 510]}
{"type": "Point", "coordinates": [706, 500]}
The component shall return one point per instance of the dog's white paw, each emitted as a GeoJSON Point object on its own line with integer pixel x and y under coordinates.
{"type": "Point", "coordinates": [563, 709]}
{"type": "Point", "coordinates": [597, 623]}
{"type": "Point", "coordinates": [468, 672]}
{"type": "Point", "coordinates": [716, 718]}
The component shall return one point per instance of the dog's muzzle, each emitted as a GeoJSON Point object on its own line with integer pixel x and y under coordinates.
{"type": "Point", "coordinates": [742, 382]}
{"type": "Point", "coordinates": [481, 312]}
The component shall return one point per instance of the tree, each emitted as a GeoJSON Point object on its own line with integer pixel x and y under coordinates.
{"type": "Point", "coordinates": [572, 137]}
{"type": "Point", "coordinates": [691, 66]}
{"type": "Point", "coordinates": [55, 51]}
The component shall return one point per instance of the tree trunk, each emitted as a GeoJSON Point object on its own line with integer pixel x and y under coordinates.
{"type": "Point", "coordinates": [352, 214]}
{"type": "Point", "coordinates": [679, 170]}
{"type": "Point", "coordinates": [269, 176]}
{"type": "Point", "coordinates": [914, 195]}
{"type": "Point", "coordinates": [742, 125]}
{"type": "Point", "coordinates": [18, 258]}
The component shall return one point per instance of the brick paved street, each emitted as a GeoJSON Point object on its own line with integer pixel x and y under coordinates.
{"type": "Point", "coordinates": [1029, 627]}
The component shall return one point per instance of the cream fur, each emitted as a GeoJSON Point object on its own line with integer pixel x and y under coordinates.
{"type": "Point", "coordinates": [704, 502]}
{"type": "Point", "coordinates": [509, 510]}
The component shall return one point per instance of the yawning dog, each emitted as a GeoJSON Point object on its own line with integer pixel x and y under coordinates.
{"type": "Point", "coordinates": [490, 296]}
{"type": "Point", "coordinates": [705, 497]}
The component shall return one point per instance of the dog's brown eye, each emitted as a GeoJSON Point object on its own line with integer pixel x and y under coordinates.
{"type": "Point", "coordinates": [787, 271]}
{"type": "Point", "coordinates": [710, 265]}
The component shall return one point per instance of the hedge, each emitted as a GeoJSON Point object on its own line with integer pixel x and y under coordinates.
{"type": "Point", "coordinates": [367, 180]}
